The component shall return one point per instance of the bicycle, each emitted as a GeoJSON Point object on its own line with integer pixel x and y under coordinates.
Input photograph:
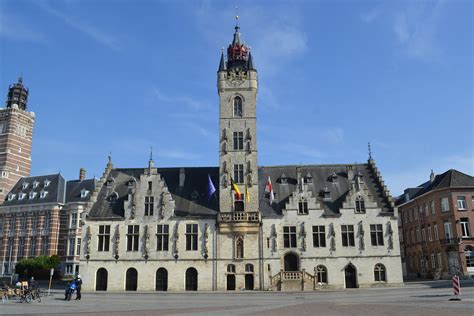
{"type": "Point", "coordinates": [25, 296]}
{"type": "Point", "coordinates": [37, 294]}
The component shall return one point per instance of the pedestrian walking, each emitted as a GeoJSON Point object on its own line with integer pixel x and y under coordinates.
{"type": "Point", "coordinates": [78, 287]}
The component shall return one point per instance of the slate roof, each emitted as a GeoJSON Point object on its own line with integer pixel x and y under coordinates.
{"type": "Point", "coordinates": [449, 179]}
{"type": "Point", "coordinates": [191, 198]}
{"type": "Point", "coordinates": [59, 191]}
{"type": "Point", "coordinates": [75, 187]}
{"type": "Point", "coordinates": [320, 174]}
{"type": "Point", "coordinates": [55, 189]}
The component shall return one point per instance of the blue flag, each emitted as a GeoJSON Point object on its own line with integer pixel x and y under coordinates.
{"type": "Point", "coordinates": [211, 189]}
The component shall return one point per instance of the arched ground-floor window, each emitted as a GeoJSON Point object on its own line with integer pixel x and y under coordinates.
{"type": "Point", "coordinates": [161, 283]}
{"type": "Point", "coordinates": [350, 275]}
{"type": "Point", "coordinates": [131, 280]}
{"type": "Point", "coordinates": [379, 273]}
{"type": "Point", "coordinates": [191, 279]}
{"type": "Point", "coordinates": [101, 280]}
{"type": "Point", "coordinates": [322, 274]}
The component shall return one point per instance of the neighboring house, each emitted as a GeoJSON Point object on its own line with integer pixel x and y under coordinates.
{"type": "Point", "coordinates": [39, 217]}
{"type": "Point", "coordinates": [328, 226]}
{"type": "Point", "coordinates": [438, 223]}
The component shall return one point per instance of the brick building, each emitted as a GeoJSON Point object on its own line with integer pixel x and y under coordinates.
{"type": "Point", "coordinates": [437, 220]}
{"type": "Point", "coordinates": [16, 134]}
{"type": "Point", "coordinates": [41, 216]}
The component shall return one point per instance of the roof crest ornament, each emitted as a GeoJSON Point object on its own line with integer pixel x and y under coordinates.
{"type": "Point", "coordinates": [370, 152]}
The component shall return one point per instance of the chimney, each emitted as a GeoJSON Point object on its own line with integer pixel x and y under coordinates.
{"type": "Point", "coordinates": [82, 174]}
{"type": "Point", "coordinates": [181, 177]}
{"type": "Point", "coordinates": [432, 176]}
{"type": "Point", "coordinates": [406, 195]}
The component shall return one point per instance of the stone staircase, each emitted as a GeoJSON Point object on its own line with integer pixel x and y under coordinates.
{"type": "Point", "coordinates": [292, 281]}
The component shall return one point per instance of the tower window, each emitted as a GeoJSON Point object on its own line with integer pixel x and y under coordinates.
{"type": "Point", "coordinates": [238, 140]}
{"type": "Point", "coordinates": [237, 107]}
{"type": "Point", "coordinates": [239, 173]}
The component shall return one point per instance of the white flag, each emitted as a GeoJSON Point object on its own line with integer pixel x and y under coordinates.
{"type": "Point", "coordinates": [269, 189]}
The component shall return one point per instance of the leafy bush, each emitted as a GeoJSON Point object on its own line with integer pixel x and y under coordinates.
{"type": "Point", "coordinates": [37, 267]}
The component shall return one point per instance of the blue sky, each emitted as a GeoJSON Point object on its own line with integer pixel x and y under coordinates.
{"type": "Point", "coordinates": [122, 76]}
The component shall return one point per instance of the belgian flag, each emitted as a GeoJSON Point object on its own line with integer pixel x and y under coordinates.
{"type": "Point", "coordinates": [236, 189]}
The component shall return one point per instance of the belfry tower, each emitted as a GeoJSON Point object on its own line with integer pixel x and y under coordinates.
{"type": "Point", "coordinates": [16, 134]}
{"type": "Point", "coordinates": [237, 88]}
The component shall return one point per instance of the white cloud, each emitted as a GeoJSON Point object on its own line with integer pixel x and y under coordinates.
{"type": "Point", "coordinates": [334, 135]}
{"type": "Point", "coordinates": [83, 27]}
{"type": "Point", "coordinates": [414, 26]}
{"type": "Point", "coordinates": [14, 28]}
{"type": "Point", "coordinates": [186, 101]}
{"type": "Point", "coordinates": [399, 180]}
{"type": "Point", "coordinates": [274, 29]}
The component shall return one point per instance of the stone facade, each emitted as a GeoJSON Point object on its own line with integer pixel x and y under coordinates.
{"type": "Point", "coordinates": [168, 229]}
{"type": "Point", "coordinates": [16, 134]}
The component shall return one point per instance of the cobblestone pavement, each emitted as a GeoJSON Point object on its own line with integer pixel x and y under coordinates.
{"type": "Point", "coordinates": [427, 298]}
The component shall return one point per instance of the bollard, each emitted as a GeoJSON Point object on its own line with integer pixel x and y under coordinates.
{"type": "Point", "coordinates": [456, 289]}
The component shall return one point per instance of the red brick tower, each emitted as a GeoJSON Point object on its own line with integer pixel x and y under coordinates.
{"type": "Point", "coordinates": [16, 134]}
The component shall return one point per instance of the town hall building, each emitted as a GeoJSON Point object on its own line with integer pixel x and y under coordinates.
{"type": "Point", "coordinates": [239, 225]}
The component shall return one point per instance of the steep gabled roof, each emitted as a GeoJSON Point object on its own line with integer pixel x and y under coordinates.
{"type": "Point", "coordinates": [190, 198]}
{"type": "Point", "coordinates": [320, 180]}
{"type": "Point", "coordinates": [449, 179]}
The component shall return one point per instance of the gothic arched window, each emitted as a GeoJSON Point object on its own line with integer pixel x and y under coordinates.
{"type": "Point", "coordinates": [379, 273]}
{"type": "Point", "coordinates": [360, 204]}
{"type": "Point", "coordinates": [322, 274]}
{"type": "Point", "coordinates": [238, 107]}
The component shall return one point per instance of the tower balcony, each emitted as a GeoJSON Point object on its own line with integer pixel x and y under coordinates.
{"type": "Point", "coordinates": [239, 222]}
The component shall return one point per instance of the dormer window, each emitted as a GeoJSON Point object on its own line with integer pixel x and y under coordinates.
{"type": "Point", "coordinates": [283, 179]}
{"type": "Point", "coordinates": [113, 197]}
{"type": "Point", "coordinates": [21, 196]}
{"type": "Point", "coordinates": [308, 178]}
{"type": "Point", "coordinates": [326, 194]}
{"type": "Point", "coordinates": [333, 177]}
{"type": "Point", "coordinates": [84, 193]}
{"type": "Point", "coordinates": [25, 185]}
{"type": "Point", "coordinates": [11, 196]}
{"type": "Point", "coordinates": [131, 183]}
{"type": "Point", "coordinates": [46, 183]}
{"type": "Point", "coordinates": [110, 182]}
{"type": "Point", "coordinates": [35, 184]}
{"type": "Point", "coordinates": [43, 194]}
{"type": "Point", "coordinates": [32, 195]}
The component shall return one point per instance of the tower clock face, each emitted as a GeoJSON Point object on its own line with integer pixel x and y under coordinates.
{"type": "Point", "coordinates": [236, 76]}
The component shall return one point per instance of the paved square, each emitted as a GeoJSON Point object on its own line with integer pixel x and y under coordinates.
{"type": "Point", "coordinates": [426, 298]}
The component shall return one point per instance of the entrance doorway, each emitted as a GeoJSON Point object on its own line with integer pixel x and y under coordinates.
{"type": "Point", "coordinates": [131, 280]}
{"type": "Point", "coordinates": [291, 261]}
{"type": "Point", "coordinates": [249, 282]}
{"type": "Point", "coordinates": [191, 279]}
{"type": "Point", "coordinates": [231, 282]}
{"type": "Point", "coordinates": [101, 280]}
{"type": "Point", "coordinates": [350, 276]}
{"type": "Point", "coordinates": [162, 279]}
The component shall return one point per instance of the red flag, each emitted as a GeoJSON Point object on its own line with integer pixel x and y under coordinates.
{"type": "Point", "coordinates": [269, 189]}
